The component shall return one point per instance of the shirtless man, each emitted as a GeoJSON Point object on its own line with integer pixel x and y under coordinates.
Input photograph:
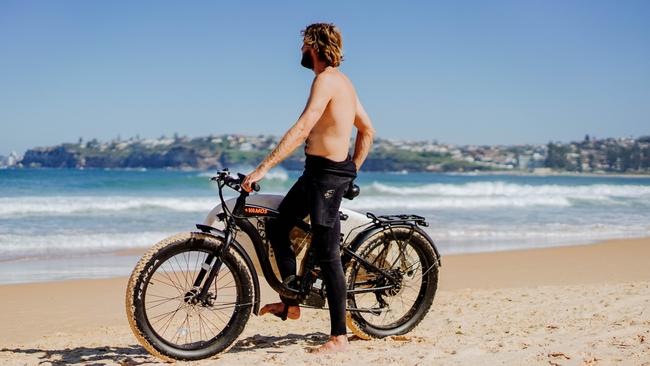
{"type": "Point", "coordinates": [326, 126]}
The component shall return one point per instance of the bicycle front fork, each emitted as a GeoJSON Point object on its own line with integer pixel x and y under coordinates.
{"type": "Point", "coordinates": [211, 269]}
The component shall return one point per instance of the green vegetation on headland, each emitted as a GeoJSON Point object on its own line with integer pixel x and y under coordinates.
{"type": "Point", "coordinates": [622, 155]}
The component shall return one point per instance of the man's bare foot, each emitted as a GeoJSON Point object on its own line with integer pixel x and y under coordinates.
{"type": "Point", "coordinates": [335, 344]}
{"type": "Point", "coordinates": [277, 308]}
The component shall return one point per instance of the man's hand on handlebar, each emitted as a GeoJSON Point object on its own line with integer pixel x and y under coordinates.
{"type": "Point", "coordinates": [254, 176]}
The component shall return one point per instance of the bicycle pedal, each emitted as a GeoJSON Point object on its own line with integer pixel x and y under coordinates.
{"type": "Point", "coordinates": [292, 282]}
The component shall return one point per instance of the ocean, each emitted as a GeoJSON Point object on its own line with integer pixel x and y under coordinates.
{"type": "Point", "coordinates": [60, 224]}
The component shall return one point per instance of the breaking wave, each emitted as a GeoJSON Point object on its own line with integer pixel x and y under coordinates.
{"type": "Point", "coordinates": [597, 191]}
{"type": "Point", "coordinates": [423, 203]}
{"type": "Point", "coordinates": [497, 194]}
{"type": "Point", "coordinates": [373, 196]}
{"type": "Point", "coordinates": [16, 246]}
{"type": "Point", "coordinates": [66, 205]}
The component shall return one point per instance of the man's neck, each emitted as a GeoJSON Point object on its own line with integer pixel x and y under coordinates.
{"type": "Point", "coordinates": [319, 67]}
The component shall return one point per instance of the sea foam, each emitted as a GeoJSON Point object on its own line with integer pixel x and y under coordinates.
{"type": "Point", "coordinates": [373, 196]}
{"type": "Point", "coordinates": [16, 246]}
{"type": "Point", "coordinates": [596, 191]}
{"type": "Point", "coordinates": [65, 205]}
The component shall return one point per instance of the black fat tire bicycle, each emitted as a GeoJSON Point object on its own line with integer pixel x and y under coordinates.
{"type": "Point", "coordinates": [190, 296]}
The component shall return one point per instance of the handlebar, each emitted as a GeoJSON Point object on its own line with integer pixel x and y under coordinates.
{"type": "Point", "coordinates": [224, 177]}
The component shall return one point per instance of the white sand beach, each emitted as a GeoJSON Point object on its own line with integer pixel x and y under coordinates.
{"type": "Point", "coordinates": [579, 305]}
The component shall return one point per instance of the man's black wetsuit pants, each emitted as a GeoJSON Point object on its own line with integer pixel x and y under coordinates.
{"type": "Point", "coordinates": [317, 193]}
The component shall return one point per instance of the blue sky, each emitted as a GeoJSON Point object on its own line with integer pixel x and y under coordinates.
{"type": "Point", "coordinates": [465, 72]}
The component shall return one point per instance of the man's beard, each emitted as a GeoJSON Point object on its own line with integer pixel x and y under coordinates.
{"type": "Point", "coordinates": [307, 61]}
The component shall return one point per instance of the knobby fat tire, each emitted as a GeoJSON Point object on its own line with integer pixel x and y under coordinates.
{"type": "Point", "coordinates": [355, 321]}
{"type": "Point", "coordinates": [143, 271]}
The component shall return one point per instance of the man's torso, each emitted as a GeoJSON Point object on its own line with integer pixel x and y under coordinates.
{"type": "Point", "coordinates": [330, 137]}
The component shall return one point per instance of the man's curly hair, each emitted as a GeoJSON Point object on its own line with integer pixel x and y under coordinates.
{"type": "Point", "coordinates": [326, 40]}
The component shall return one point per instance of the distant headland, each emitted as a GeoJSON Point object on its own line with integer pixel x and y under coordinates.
{"type": "Point", "coordinates": [590, 155]}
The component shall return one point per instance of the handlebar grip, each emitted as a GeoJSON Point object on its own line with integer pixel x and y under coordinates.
{"type": "Point", "coordinates": [255, 186]}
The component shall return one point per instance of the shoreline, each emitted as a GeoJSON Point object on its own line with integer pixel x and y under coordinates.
{"type": "Point", "coordinates": [599, 252]}
{"type": "Point", "coordinates": [121, 260]}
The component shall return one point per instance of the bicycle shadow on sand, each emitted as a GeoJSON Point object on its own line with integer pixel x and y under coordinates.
{"type": "Point", "coordinates": [133, 355]}
{"type": "Point", "coordinates": [258, 341]}
{"type": "Point", "coordinates": [90, 356]}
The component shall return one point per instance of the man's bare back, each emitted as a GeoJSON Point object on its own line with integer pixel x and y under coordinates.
{"type": "Point", "coordinates": [330, 136]}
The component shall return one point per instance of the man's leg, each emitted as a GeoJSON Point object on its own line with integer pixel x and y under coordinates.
{"type": "Point", "coordinates": [293, 207]}
{"type": "Point", "coordinates": [327, 241]}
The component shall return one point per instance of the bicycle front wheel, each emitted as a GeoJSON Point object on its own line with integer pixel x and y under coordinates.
{"type": "Point", "coordinates": [162, 307]}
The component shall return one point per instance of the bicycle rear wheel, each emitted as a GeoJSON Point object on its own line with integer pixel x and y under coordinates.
{"type": "Point", "coordinates": [161, 303]}
{"type": "Point", "coordinates": [406, 255]}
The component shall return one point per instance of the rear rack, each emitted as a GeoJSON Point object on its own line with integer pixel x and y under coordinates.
{"type": "Point", "coordinates": [387, 220]}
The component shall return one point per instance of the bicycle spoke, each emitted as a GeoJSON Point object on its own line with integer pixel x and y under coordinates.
{"type": "Point", "coordinates": [168, 321]}
{"type": "Point", "coordinates": [180, 330]}
{"type": "Point", "coordinates": [180, 290]}
{"type": "Point", "coordinates": [151, 282]}
{"type": "Point", "coordinates": [231, 281]}
{"type": "Point", "coordinates": [189, 330]}
{"type": "Point", "coordinates": [166, 313]}
{"type": "Point", "coordinates": [161, 302]}
{"type": "Point", "coordinates": [196, 264]}
{"type": "Point", "coordinates": [182, 274]}
{"type": "Point", "coordinates": [187, 267]}
{"type": "Point", "coordinates": [163, 299]}
{"type": "Point", "coordinates": [209, 322]}
{"type": "Point", "coordinates": [173, 271]}
{"type": "Point", "coordinates": [392, 255]}
{"type": "Point", "coordinates": [218, 315]}
{"type": "Point", "coordinates": [172, 317]}
{"type": "Point", "coordinates": [188, 322]}
{"type": "Point", "coordinates": [402, 300]}
{"type": "Point", "coordinates": [201, 327]}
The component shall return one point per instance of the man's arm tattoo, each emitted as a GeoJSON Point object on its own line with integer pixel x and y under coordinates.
{"type": "Point", "coordinates": [289, 142]}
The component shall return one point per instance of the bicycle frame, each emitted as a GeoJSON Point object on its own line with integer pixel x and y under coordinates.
{"type": "Point", "coordinates": [237, 220]}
